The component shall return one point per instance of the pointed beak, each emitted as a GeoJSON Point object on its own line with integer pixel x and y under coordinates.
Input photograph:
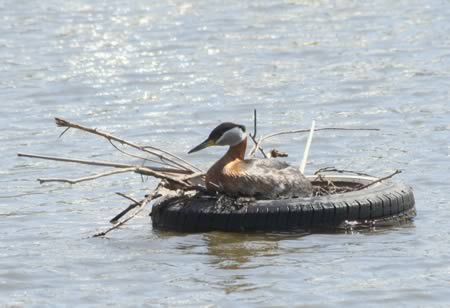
{"type": "Point", "coordinates": [201, 146]}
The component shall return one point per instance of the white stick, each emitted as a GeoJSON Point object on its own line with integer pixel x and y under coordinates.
{"type": "Point", "coordinates": [308, 145]}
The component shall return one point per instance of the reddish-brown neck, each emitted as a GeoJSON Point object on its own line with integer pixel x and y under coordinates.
{"type": "Point", "coordinates": [215, 175]}
{"type": "Point", "coordinates": [237, 151]}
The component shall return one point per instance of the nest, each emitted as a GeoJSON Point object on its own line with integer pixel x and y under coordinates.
{"type": "Point", "coordinates": [177, 173]}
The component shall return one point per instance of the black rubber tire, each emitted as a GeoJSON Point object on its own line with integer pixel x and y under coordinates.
{"type": "Point", "coordinates": [379, 201]}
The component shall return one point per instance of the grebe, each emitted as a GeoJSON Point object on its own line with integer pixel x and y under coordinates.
{"type": "Point", "coordinates": [259, 178]}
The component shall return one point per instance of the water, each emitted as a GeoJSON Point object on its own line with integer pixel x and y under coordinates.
{"type": "Point", "coordinates": [165, 73]}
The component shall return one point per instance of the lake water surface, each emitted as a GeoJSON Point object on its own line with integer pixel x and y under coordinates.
{"type": "Point", "coordinates": [167, 72]}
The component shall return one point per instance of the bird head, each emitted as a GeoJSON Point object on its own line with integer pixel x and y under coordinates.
{"type": "Point", "coordinates": [225, 134]}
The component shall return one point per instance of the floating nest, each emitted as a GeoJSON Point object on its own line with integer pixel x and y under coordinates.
{"type": "Point", "coordinates": [337, 199]}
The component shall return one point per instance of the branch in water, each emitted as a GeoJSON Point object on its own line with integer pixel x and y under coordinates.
{"type": "Point", "coordinates": [141, 207]}
{"type": "Point", "coordinates": [129, 208]}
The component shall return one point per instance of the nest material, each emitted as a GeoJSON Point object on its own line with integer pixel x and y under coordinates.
{"type": "Point", "coordinates": [323, 186]}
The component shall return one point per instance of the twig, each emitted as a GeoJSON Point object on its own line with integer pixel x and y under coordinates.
{"type": "Point", "coordinates": [87, 178]}
{"type": "Point", "coordinates": [161, 173]}
{"type": "Point", "coordinates": [261, 139]}
{"type": "Point", "coordinates": [162, 157]}
{"type": "Point", "coordinates": [381, 179]}
{"type": "Point", "coordinates": [308, 145]}
{"type": "Point", "coordinates": [65, 131]}
{"type": "Point", "coordinates": [333, 169]}
{"type": "Point", "coordinates": [316, 130]}
{"type": "Point", "coordinates": [100, 163]}
{"type": "Point", "coordinates": [332, 187]}
{"type": "Point", "coordinates": [253, 136]}
{"type": "Point", "coordinates": [254, 124]}
{"type": "Point", "coordinates": [259, 148]}
{"type": "Point", "coordinates": [256, 146]}
{"type": "Point", "coordinates": [127, 197]}
{"type": "Point", "coordinates": [142, 205]}
{"type": "Point", "coordinates": [140, 157]}
{"type": "Point", "coordinates": [174, 159]}
{"type": "Point", "coordinates": [116, 218]}
{"type": "Point", "coordinates": [129, 208]}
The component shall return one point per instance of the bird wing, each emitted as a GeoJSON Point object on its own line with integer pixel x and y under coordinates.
{"type": "Point", "coordinates": [269, 178]}
{"type": "Point", "coordinates": [265, 164]}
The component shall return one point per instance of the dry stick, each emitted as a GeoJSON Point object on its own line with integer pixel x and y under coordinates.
{"type": "Point", "coordinates": [187, 166]}
{"type": "Point", "coordinates": [381, 179]}
{"type": "Point", "coordinates": [333, 169]}
{"type": "Point", "coordinates": [110, 137]}
{"type": "Point", "coordinates": [87, 178]}
{"type": "Point", "coordinates": [261, 139]}
{"type": "Point", "coordinates": [254, 123]}
{"type": "Point", "coordinates": [63, 123]}
{"type": "Point", "coordinates": [100, 163]}
{"type": "Point", "coordinates": [140, 157]}
{"type": "Point", "coordinates": [129, 208]}
{"type": "Point", "coordinates": [127, 197]}
{"type": "Point", "coordinates": [65, 131]}
{"type": "Point", "coordinates": [253, 136]}
{"type": "Point", "coordinates": [142, 205]}
{"type": "Point", "coordinates": [317, 129]}
{"type": "Point", "coordinates": [256, 146]}
{"type": "Point", "coordinates": [162, 157]}
{"type": "Point", "coordinates": [138, 170]}
{"type": "Point", "coordinates": [116, 218]}
{"type": "Point", "coordinates": [308, 146]}
{"type": "Point", "coordinates": [329, 183]}
{"type": "Point", "coordinates": [161, 162]}
{"type": "Point", "coordinates": [155, 172]}
{"type": "Point", "coordinates": [260, 149]}
{"type": "Point", "coordinates": [147, 171]}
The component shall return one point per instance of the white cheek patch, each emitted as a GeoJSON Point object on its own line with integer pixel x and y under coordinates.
{"type": "Point", "coordinates": [232, 137]}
